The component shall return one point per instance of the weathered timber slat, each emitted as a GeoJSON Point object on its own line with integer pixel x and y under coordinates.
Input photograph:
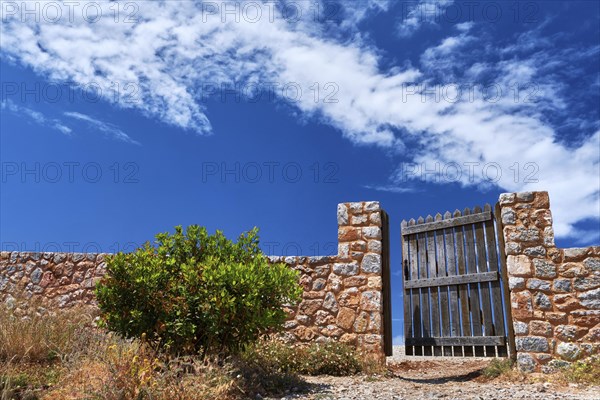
{"type": "Point", "coordinates": [486, 301]}
{"type": "Point", "coordinates": [428, 307]}
{"type": "Point", "coordinates": [416, 309]}
{"type": "Point", "coordinates": [451, 258]}
{"type": "Point", "coordinates": [474, 305]}
{"type": "Point", "coordinates": [407, 292]}
{"type": "Point", "coordinates": [457, 341]}
{"type": "Point", "coordinates": [442, 272]}
{"type": "Point", "coordinates": [452, 280]}
{"type": "Point", "coordinates": [435, 309]}
{"type": "Point", "coordinates": [447, 223]}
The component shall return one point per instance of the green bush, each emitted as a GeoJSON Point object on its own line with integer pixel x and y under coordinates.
{"type": "Point", "coordinates": [194, 292]}
{"type": "Point", "coordinates": [329, 358]}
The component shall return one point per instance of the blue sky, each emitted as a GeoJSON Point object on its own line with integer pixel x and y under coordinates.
{"type": "Point", "coordinates": [123, 119]}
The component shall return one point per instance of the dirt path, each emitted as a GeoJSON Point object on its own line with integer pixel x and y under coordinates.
{"type": "Point", "coordinates": [446, 379]}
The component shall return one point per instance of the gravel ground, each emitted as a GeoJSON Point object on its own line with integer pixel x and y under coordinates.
{"type": "Point", "coordinates": [437, 379]}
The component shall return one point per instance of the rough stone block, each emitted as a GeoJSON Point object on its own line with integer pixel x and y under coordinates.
{"type": "Point", "coordinates": [568, 351]}
{"type": "Point", "coordinates": [509, 216]}
{"type": "Point", "coordinates": [348, 234]}
{"type": "Point", "coordinates": [371, 206]}
{"type": "Point", "coordinates": [516, 283]}
{"type": "Point", "coordinates": [374, 246]}
{"type": "Point", "coordinates": [310, 307]}
{"type": "Point", "coordinates": [506, 198]}
{"type": "Point", "coordinates": [540, 328]}
{"type": "Point", "coordinates": [532, 343]}
{"type": "Point", "coordinates": [568, 333]}
{"type": "Point", "coordinates": [330, 302]}
{"type": "Point", "coordinates": [562, 285]}
{"type": "Point", "coordinates": [542, 301]}
{"type": "Point", "coordinates": [342, 214]}
{"type": "Point", "coordinates": [590, 299]}
{"type": "Point", "coordinates": [587, 318]}
{"type": "Point", "coordinates": [358, 220]}
{"type": "Point", "coordinates": [566, 302]}
{"type": "Point", "coordinates": [362, 322]}
{"type": "Point", "coordinates": [556, 317]}
{"type": "Point", "coordinates": [520, 328]}
{"type": "Point", "coordinates": [572, 270]}
{"type": "Point", "coordinates": [576, 253]}
{"type": "Point", "coordinates": [346, 269]}
{"type": "Point", "coordinates": [512, 248]}
{"type": "Point", "coordinates": [371, 232]}
{"type": "Point", "coordinates": [349, 297]}
{"type": "Point", "coordinates": [374, 283]}
{"type": "Point", "coordinates": [371, 300]}
{"type": "Point", "coordinates": [371, 263]}
{"type": "Point", "coordinates": [549, 237]}
{"type": "Point", "coordinates": [538, 284]}
{"type": "Point", "coordinates": [375, 218]}
{"type": "Point", "coordinates": [586, 283]}
{"type": "Point", "coordinates": [521, 304]}
{"type": "Point", "coordinates": [544, 269]}
{"type": "Point", "coordinates": [524, 196]}
{"type": "Point", "coordinates": [526, 235]}
{"type": "Point", "coordinates": [541, 200]}
{"type": "Point", "coordinates": [346, 317]}
{"type": "Point", "coordinates": [592, 263]}
{"type": "Point", "coordinates": [519, 265]}
{"type": "Point", "coordinates": [525, 362]}
{"type": "Point", "coordinates": [354, 281]}
{"type": "Point", "coordinates": [537, 251]}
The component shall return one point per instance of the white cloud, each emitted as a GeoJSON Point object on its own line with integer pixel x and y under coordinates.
{"type": "Point", "coordinates": [108, 129]}
{"type": "Point", "coordinates": [391, 188]}
{"type": "Point", "coordinates": [34, 116]}
{"type": "Point", "coordinates": [175, 51]}
{"type": "Point", "coordinates": [416, 15]}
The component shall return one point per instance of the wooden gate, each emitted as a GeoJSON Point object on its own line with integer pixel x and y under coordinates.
{"type": "Point", "coordinates": [456, 299]}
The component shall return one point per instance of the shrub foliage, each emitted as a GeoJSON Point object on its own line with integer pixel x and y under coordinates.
{"type": "Point", "coordinates": [196, 293]}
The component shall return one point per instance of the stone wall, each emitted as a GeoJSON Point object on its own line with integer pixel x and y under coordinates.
{"type": "Point", "coordinates": [554, 293]}
{"type": "Point", "coordinates": [343, 298]}
{"type": "Point", "coordinates": [50, 280]}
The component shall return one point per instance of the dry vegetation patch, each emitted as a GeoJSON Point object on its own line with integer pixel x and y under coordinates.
{"type": "Point", "coordinates": [65, 356]}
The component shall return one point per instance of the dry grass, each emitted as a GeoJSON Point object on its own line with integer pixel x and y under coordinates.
{"type": "Point", "coordinates": [35, 336]}
{"type": "Point", "coordinates": [64, 356]}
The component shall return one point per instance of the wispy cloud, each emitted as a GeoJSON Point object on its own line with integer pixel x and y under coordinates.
{"type": "Point", "coordinates": [175, 49]}
{"type": "Point", "coordinates": [108, 129]}
{"type": "Point", "coordinates": [418, 14]}
{"type": "Point", "coordinates": [34, 116]}
{"type": "Point", "coordinates": [391, 188]}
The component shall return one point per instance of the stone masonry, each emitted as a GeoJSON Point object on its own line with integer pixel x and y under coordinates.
{"type": "Point", "coordinates": [342, 297]}
{"type": "Point", "coordinates": [50, 280]}
{"type": "Point", "coordinates": [554, 293]}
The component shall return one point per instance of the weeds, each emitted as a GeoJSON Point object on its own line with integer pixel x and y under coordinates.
{"type": "Point", "coordinates": [36, 336]}
{"type": "Point", "coordinates": [330, 358]}
{"type": "Point", "coordinates": [586, 371]}
{"type": "Point", "coordinates": [498, 367]}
